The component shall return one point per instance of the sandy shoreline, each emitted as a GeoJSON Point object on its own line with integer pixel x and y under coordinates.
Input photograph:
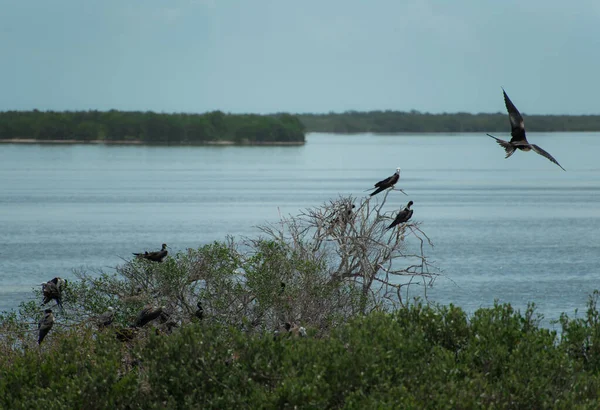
{"type": "Point", "coordinates": [139, 142]}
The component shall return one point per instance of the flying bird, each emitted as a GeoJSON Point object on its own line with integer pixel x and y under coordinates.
{"type": "Point", "coordinates": [403, 216]}
{"type": "Point", "coordinates": [156, 256]}
{"type": "Point", "coordinates": [45, 325]}
{"type": "Point", "coordinates": [389, 182]}
{"type": "Point", "coordinates": [518, 140]}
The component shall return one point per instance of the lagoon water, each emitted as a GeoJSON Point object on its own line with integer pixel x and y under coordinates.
{"type": "Point", "coordinates": [517, 230]}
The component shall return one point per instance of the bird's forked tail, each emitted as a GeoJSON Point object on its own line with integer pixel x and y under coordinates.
{"type": "Point", "coordinates": [508, 147]}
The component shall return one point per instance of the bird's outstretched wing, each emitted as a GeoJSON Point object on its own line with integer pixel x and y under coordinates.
{"type": "Point", "coordinates": [545, 154]}
{"type": "Point", "coordinates": [516, 120]}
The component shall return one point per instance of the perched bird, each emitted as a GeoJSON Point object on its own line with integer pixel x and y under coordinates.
{"type": "Point", "coordinates": [344, 214]}
{"type": "Point", "coordinates": [340, 217]}
{"type": "Point", "coordinates": [403, 216]}
{"type": "Point", "coordinates": [106, 318]}
{"type": "Point", "coordinates": [148, 314]}
{"type": "Point", "coordinates": [297, 331]}
{"type": "Point", "coordinates": [45, 325]}
{"type": "Point", "coordinates": [389, 182]}
{"type": "Point", "coordinates": [200, 311]}
{"type": "Point", "coordinates": [59, 282]}
{"type": "Point", "coordinates": [52, 290]}
{"type": "Point", "coordinates": [518, 140]}
{"type": "Point", "coordinates": [290, 331]}
{"type": "Point", "coordinates": [156, 256]}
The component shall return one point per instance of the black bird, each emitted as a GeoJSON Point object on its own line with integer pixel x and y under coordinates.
{"type": "Point", "coordinates": [52, 290]}
{"type": "Point", "coordinates": [200, 311]}
{"type": "Point", "coordinates": [403, 216]}
{"type": "Point", "coordinates": [518, 140]}
{"type": "Point", "coordinates": [290, 330]}
{"type": "Point", "coordinates": [345, 214]}
{"type": "Point", "coordinates": [60, 282]}
{"type": "Point", "coordinates": [156, 256]}
{"type": "Point", "coordinates": [106, 318]}
{"type": "Point", "coordinates": [148, 314]}
{"type": "Point", "coordinates": [45, 325]}
{"type": "Point", "coordinates": [389, 182]}
{"type": "Point", "coordinates": [342, 216]}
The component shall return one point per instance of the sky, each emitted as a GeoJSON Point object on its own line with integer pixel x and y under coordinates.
{"type": "Point", "coordinates": [317, 56]}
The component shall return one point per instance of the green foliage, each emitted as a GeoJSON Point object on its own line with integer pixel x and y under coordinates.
{"type": "Point", "coordinates": [82, 371]}
{"type": "Point", "coordinates": [420, 356]}
{"type": "Point", "coordinates": [415, 122]}
{"type": "Point", "coordinates": [150, 127]}
{"type": "Point", "coordinates": [238, 354]}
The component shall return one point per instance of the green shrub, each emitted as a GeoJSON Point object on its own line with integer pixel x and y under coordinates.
{"type": "Point", "coordinates": [417, 357]}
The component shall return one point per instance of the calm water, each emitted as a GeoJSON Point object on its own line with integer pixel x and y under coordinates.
{"type": "Point", "coordinates": [517, 230]}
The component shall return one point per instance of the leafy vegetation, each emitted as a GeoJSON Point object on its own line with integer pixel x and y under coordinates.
{"type": "Point", "coordinates": [419, 356]}
{"type": "Point", "coordinates": [416, 122]}
{"type": "Point", "coordinates": [150, 127]}
{"type": "Point", "coordinates": [229, 337]}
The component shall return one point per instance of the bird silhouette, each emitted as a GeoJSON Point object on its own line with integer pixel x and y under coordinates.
{"type": "Point", "coordinates": [403, 216]}
{"type": "Point", "coordinates": [518, 140]}
{"type": "Point", "coordinates": [156, 256]}
{"type": "Point", "coordinates": [45, 325]}
{"type": "Point", "coordinates": [389, 182]}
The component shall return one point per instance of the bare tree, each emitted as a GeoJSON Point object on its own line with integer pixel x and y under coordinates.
{"type": "Point", "coordinates": [351, 236]}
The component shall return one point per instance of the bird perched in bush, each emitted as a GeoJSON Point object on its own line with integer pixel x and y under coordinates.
{"type": "Point", "coordinates": [157, 256]}
{"type": "Point", "coordinates": [200, 311]}
{"type": "Point", "coordinates": [45, 325]}
{"type": "Point", "coordinates": [148, 314]}
{"type": "Point", "coordinates": [52, 290]}
{"type": "Point", "coordinates": [403, 216]}
{"type": "Point", "coordinates": [389, 182]}
{"type": "Point", "coordinates": [106, 318]}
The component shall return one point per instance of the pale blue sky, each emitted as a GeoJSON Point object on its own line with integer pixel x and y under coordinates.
{"type": "Point", "coordinates": [300, 56]}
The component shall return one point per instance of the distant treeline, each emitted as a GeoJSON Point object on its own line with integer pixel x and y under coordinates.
{"type": "Point", "coordinates": [150, 127]}
{"type": "Point", "coordinates": [415, 121]}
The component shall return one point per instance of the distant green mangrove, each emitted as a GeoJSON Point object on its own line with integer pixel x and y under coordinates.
{"type": "Point", "coordinates": [416, 122]}
{"type": "Point", "coordinates": [216, 127]}
{"type": "Point", "coordinates": [149, 127]}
